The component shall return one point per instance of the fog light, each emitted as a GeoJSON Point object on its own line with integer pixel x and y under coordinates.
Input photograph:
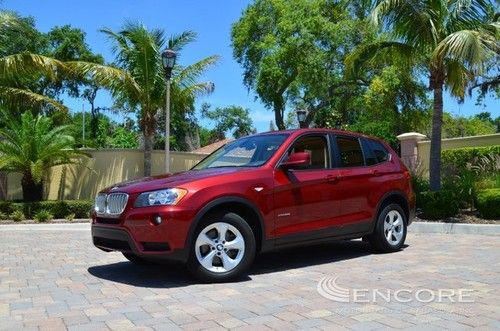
{"type": "Point", "coordinates": [157, 220]}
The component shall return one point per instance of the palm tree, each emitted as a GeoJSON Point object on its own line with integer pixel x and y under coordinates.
{"type": "Point", "coordinates": [31, 146]}
{"type": "Point", "coordinates": [451, 38]}
{"type": "Point", "coordinates": [138, 81]}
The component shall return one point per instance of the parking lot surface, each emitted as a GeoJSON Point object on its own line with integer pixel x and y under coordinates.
{"type": "Point", "coordinates": [55, 279]}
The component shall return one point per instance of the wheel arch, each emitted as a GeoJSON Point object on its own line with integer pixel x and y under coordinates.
{"type": "Point", "coordinates": [238, 205]}
{"type": "Point", "coordinates": [397, 197]}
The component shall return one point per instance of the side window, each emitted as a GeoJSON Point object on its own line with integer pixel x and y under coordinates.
{"type": "Point", "coordinates": [370, 158]}
{"type": "Point", "coordinates": [317, 147]}
{"type": "Point", "coordinates": [379, 151]}
{"type": "Point", "coordinates": [350, 152]}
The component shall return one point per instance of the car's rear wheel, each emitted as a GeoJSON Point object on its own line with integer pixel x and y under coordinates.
{"type": "Point", "coordinates": [390, 229]}
{"type": "Point", "coordinates": [222, 249]}
{"type": "Point", "coordinates": [136, 259]}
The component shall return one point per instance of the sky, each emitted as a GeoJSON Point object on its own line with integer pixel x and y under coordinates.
{"type": "Point", "coordinates": [211, 20]}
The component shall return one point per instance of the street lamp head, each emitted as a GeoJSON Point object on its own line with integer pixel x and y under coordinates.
{"type": "Point", "coordinates": [301, 115]}
{"type": "Point", "coordinates": [168, 58]}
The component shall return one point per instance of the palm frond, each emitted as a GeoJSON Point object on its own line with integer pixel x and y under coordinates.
{"type": "Point", "coordinates": [112, 78]}
{"type": "Point", "coordinates": [471, 47]}
{"type": "Point", "coordinates": [188, 75]}
{"type": "Point", "coordinates": [13, 66]}
{"type": "Point", "coordinates": [178, 41]}
{"type": "Point", "coordinates": [417, 23]}
{"type": "Point", "coordinates": [364, 54]}
{"type": "Point", "coordinates": [457, 78]}
{"type": "Point", "coordinates": [12, 95]}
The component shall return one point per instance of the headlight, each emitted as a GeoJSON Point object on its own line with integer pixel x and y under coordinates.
{"type": "Point", "coordinates": [168, 197]}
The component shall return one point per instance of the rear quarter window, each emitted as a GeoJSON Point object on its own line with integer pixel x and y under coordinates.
{"type": "Point", "coordinates": [375, 152]}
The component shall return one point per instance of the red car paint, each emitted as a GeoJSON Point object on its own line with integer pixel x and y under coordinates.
{"type": "Point", "coordinates": [341, 200]}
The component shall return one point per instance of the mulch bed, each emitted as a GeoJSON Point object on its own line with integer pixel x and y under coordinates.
{"type": "Point", "coordinates": [465, 216]}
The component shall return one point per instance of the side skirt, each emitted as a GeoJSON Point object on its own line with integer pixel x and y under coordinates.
{"type": "Point", "coordinates": [351, 231]}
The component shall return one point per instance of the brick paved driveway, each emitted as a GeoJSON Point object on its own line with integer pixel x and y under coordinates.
{"type": "Point", "coordinates": [56, 280]}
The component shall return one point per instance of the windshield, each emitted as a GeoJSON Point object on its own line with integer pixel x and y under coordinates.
{"type": "Point", "coordinates": [250, 151]}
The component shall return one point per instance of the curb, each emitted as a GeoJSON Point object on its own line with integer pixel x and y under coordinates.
{"type": "Point", "coordinates": [46, 227]}
{"type": "Point", "coordinates": [455, 228]}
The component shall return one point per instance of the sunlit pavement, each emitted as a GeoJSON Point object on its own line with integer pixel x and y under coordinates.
{"type": "Point", "coordinates": [55, 279]}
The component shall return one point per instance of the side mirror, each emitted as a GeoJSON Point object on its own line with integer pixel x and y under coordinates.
{"type": "Point", "coordinates": [297, 160]}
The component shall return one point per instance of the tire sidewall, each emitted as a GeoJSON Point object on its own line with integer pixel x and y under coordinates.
{"type": "Point", "coordinates": [380, 235]}
{"type": "Point", "coordinates": [250, 247]}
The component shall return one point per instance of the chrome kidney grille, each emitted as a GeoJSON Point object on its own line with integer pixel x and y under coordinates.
{"type": "Point", "coordinates": [111, 204]}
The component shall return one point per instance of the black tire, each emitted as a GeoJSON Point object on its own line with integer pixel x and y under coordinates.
{"type": "Point", "coordinates": [136, 259]}
{"type": "Point", "coordinates": [248, 254]}
{"type": "Point", "coordinates": [378, 238]}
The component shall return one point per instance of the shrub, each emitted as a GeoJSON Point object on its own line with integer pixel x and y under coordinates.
{"type": "Point", "coordinates": [17, 216]}
{"type": "Point", "coordinates": [59, 209]}
{"type": "Point", "coordinates": [3, 216]}
{"type": "Point", "coordinates": [81, 208]}
{"type": "Point", "coordinates": [463, 187]}
{"type": "Point", "coordinates": [488, 202]}
{"type": "Point", "coordinates": [43, 216]}
{"type": "Point", "coordinates": [438, 205]}
{"type": "Point", "coordinates": [458, 158]}
{"type": "Point", "coordinates": [420, 184]}
{"type": "Point", "coordinates": [70, 217]}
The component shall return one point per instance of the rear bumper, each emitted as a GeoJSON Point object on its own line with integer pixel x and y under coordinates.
{"type": "Point", "coordinates": [109, 238]}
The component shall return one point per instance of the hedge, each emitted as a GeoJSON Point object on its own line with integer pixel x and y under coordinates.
{"type": "Point", "coordinates": [458, 158]}
{"type": "Point", "coordinates": [488, 203]}
{"type": "Point", "coordinates": [57, 208]}
{"type": "Point", "coordinates": [439, 204]}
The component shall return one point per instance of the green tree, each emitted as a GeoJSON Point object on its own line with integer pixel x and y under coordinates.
{"type": "Point", "coordinates": [292, 53]}
{"type": "Point", "coordinates": [138, 82]}
{"type": "Point", "coordinates": [234, 119]}
{"type": "Point", "coordinates": [31, 146]}
{"type": "Point", "coordinates": [453, 40]}
{"type": "Point", "coordinates": [123, 138]}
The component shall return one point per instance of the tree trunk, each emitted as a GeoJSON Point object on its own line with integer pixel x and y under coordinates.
{"type": "Point", "coordinates": [278, 113]}
{"type": "Point", "coordinates": [31, 190]}
{"type": "Point", "coordinates": [148, 148]}
{"type": "Point", "coordinates": [437, 121]}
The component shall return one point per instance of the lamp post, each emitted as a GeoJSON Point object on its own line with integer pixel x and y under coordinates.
{"type": "Point", "coordinates": [301, 117]}
{"type": "Point", "coordinates": [168, 60]}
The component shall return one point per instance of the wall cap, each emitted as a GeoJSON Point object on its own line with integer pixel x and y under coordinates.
{"type": "Point", "coordinates": [411, 136]}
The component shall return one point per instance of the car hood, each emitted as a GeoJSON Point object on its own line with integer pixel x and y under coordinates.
{"type": "Point", "coordinates": [172, 180]}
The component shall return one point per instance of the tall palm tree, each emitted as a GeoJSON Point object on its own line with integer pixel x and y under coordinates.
{"type": "Point", "coordinates": [31, 146]}
{"type": "Point", "coordinates": [453, 39]}
{"type": "Point", "coordinates": [138, 81]}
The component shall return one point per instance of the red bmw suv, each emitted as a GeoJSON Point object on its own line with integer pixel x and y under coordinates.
{"type": "Point", "coordinates": [260, 193]}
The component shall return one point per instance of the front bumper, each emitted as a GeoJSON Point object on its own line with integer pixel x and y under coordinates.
{"type": "Point", "coordinates": [109, 239]}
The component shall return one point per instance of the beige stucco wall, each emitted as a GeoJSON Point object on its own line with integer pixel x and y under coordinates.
{"type": "Point", "coordinates": [104, 168]}
{"type": "Point", "coordinates": [423, 147]}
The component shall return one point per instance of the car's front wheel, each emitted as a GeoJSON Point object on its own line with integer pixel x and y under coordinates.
{"type": "Point", "coordinates": [390, 229]}
{"type": "Point", "coordinates": [223, 248]}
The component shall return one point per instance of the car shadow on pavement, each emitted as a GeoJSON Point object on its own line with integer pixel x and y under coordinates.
{"type": "Point", "coordinates": [172, 274]}
{"type": "Point", "coordinates": [299, 257]}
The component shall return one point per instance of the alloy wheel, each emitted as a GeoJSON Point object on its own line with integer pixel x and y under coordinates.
{"type": "Point", "coordinates": [220, 247]}
{"type": "Point", "coordinates": [393, 227]}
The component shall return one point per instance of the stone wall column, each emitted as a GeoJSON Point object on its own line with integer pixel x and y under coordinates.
{"type": "Point", "coordinates": [409, 149]}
